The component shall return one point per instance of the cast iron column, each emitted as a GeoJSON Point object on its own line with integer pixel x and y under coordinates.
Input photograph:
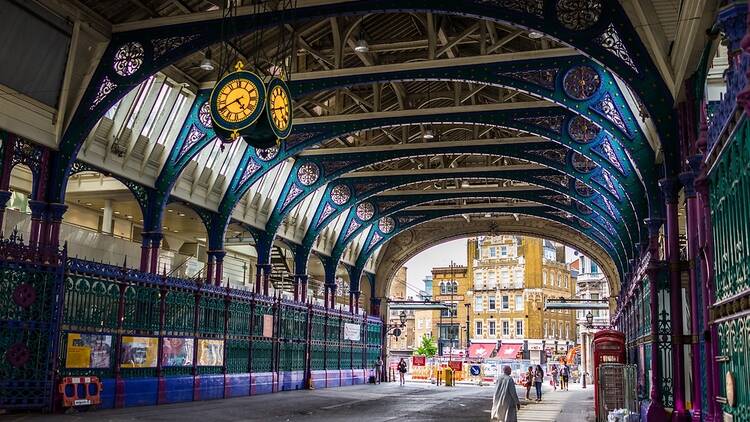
{"type": "Point", "coordinates": [145, 251]}
{"type": "Point", "coordinates": [655, 410]}
{"type": "Point", "coordinates": [670, 188]}
{"type": "Point", "coordinates": [155, 244]}
{"type": "Point", "coordinates": [38, 208]}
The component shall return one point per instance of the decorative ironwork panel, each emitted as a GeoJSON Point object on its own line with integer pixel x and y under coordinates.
{"type": "Point", "coordinates": [141, 308]}
{"type": "Point", "coordinates": [211, 315]}
{"type": "Point", "coordinates": [90, 302]}
{"type": "Point", "coordinates": [179, 312]}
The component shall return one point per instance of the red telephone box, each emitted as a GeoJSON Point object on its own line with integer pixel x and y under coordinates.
{"type": "Point", "coordinates": [608, 347]}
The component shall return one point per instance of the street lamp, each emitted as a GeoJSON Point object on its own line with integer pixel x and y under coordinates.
{"type": "Point", "coordinates": [589, 320]}
{"type": "Point", "coordinates": [402, 318]}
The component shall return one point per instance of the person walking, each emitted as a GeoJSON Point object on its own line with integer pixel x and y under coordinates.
{"type": "Point", "coordinates": [529, 382]}
{"type": "Point", "coordinates": [401, 371]}
{"type": "Point", "coordinates": [564, 376]}
{"type": "Point", "coordinates": [505, 403]}
{"type": "Point", "coordinates": [554, 379]}
{"type": "Point", "coordinates": [379, 369]}
{"type": "Point", "coordinates": [538, 379]}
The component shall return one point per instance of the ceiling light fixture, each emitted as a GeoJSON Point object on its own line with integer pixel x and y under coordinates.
{"type": "Point", "coordinates": [117, 212]}
{"type": "Point", "coordinates": [534, 35]}
{"type": "Point", "coordinates": [428, 134]}
{"type": "Point", "coordinates": [361, 46]}
{"type": "Point", "coordinates": [207, 64]}
{"type": "Point", "coordinates": [88, 204]}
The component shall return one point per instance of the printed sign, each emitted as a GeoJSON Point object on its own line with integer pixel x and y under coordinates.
{"type": "Point", "coordinates": [139, 352]}
{"type": "Point", "coordinates": [210, 352]}
{"type": "Point", "coordinates": [351, 331]}
{"type": "Point", "coordinates": [177, 351]}
{"type": "Point", "coordinates": [418, 360]}
{"type": "Point", "coordinates": [267, 325]}
{"type": "Point", "coordinates": [88, 350]}
{"type": "Point", "coordinates": [455, 365]}
{"type": "Point", "coordinates": [475, 370]}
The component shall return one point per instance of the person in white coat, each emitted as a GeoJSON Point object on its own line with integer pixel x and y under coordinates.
{"type": "Point", "coordinates": [505, 403]}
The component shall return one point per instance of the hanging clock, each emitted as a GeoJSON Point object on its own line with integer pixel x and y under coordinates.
{"type": "Point", "coordinates": [277, 123]}
{"type": "Point", "coordinates": [237, 101]}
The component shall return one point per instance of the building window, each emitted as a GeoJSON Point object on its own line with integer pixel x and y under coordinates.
{"type": "Point", "coordinates": [554, 328]}
{"type": "Point", "coordinates": [567, 330]}
{"type": "Point", "coordinates": [505, 303]}
{"type": "Point", "coordinates": [478, 326]}
{"type": "Point", "coordinates": [428, 323]}
{"type": "Point", "coordinates": [448, 312]}
{"type": "Point", "coordinates": [491, 327]}
{"type": "Point", "coordinates": [478, 304]}
{"type": "Point", "coordinates": [545, 329]}
{"type": "Point", "coordinates": [544, 278]}
{"type": "Point", "coordinates": [506, 328]}
{"type": "Point", "coordinates": [503, 251]}
{"type": "Point", "coordinates": [492, 252]}
{"type": "Point", "coordinates": [492, 303]}
{"type": "Point", "coordinates": [519, 328]}
{"type": "Point", "coordinates": [419, 324]}
{"type": "Point", "coordinates": [565, 281]}
{"type": "Point", "coordinates": [519, 302]}
{"type": "Point", "coordinates": [594, 268]}
{"type": "Point", "coordinates": [443, 289]}
{"type": "Point", "coordinates": [595, 312]}
{"type": "Point", "coordinates": [455, 287]}
{"type": "Point", "coordinates": [558, 280]}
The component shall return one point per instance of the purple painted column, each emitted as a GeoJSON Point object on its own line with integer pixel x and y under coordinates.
{"type": "Point", "coordinates": [145, 251]}
{"type": "Point", "coordinates": [670, 187]}
{"type": "Point", "coordinates": [155, 244]}
{"type": "Point", "coordinates": [687, 179]}
{"type": "Point", "coordinates": [258, 277]}
{"type": "Point", "coordinates": [351, 302]}
{"type": "Point", "coordinates": [38, 209]}
{"type": "Point", "coordinates": [333, 296]}
{"type": "Point", "coordinates": [325, 296]}
{"type": "Point", "coordinates": [356, 302]}
{"type": "Point", "coordinates": [375, 306]}
{"type": "Point", "coordinates": [55, 214]}
{"type": "Point", "coordinates": [266, 278]}
{"type": "Point", "coordinates": [655, 412]}
{"type": "Point", "coordinates": [302, 280]}
{"type": "Point", "coordinates": [219, 256]}
{"type": "Point", "coordinates": [210, 267]}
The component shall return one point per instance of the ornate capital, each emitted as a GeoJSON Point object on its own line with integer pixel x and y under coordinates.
{"type": "Point", "coordinates": [38, 208]}
{"type": "Point", "coordinates": [733, 23]}
{"type": "Point", "coordinates": [670, 187]}
{"type": "Point", "coordinates": [654, 224]}
{"type": "Point", "coordinates": [688, 182]}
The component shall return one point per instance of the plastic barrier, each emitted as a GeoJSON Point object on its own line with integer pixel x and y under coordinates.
{"type": "Point", "coordinates": [80, 391]}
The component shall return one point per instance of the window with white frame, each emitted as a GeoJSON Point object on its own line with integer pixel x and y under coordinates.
{"type": "Point", "coordinates": [503, 251]}
{"type": "Point", "coordinates": [478, 304]}
{"type": "Point", "coordinates": [567, 330]}
{"type": "Point", "coordinates": [491, 327]}
{"type": "Point", "coordinates": [505, 302]}
{"type": "Point", "coordinates": [519, 302]}
{"type": "Point", "coordinates": [519, 328]}
{"type": "Point", "coordinates": [545, 329]}
{"type": "Point", "coordinates": [544, 277]}
{"type": "Point", "coordinates": [419, 324]}
{"type": "Point", "coordinates": [506, 328]}
{"type": "Point", "coordinates": [478, 327]}
{"type": "Point", "coordinates": [492, 252]}
{"type": "Point", "coordinates": [491, 306]}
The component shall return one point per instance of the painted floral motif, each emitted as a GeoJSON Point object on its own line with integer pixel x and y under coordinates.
{"type": "Point", "coordinates": [406, 220]}
{"type": "Point", "coordinates": [353, 226]}
{"type": "Point", "coordinates": [251, 168]}
{"type": "Point", "coordinates": [267, 154]}
{"type": "Point", "coordinates": [612, 42]}
{"type": "Point", "coordinates": [105, 88]}
{"type": "Point", "coordinates": [609, 153]}
{"type": "Point", "coordinates": [552, 123]}
{"type": "Point", "coordinates": [204, 115]}
{"type": "Point", "coordinates": [386, 205]}
{"type": "Point", "coordinates": [375, 239]}
{"type": "Point", "coordinates": [542, 77]}
{"type": "Point", "coordinates": [584, 224]}
{"type": "Point", "coordinates": [193, 137]}
{"type": "Point", "coordinates": [365, 211]}
{"type": "Point", "coordinates": [327, 210]}
{"type": "Point", "coordinates": [386, 225]}
{"type": "Point", "coordinates": [308, 173]}
{"type": "Point", "coordinates": [610, 184]}
{"type": "Point", "coordinates": [128, 59]}
{"type": "Point", "coordinates": [609, 207]}
{"type": "Point", "coordinates": [294, 192]}
{"type": "Point", "coordinates": [164, 45]}
{"type": "Point", "coordinates": [340, 194]}
{"type": "Point", "coordinates": [298, 138]}
{"type": "Point", "coordinates": [578, 15]}
{"type": "Point", "coordinates": [560, 179]}
{"type": "Point", "coordinates": [582, 163]}
{"type": "Point", "coordinates": [581, 82]}
{"type": "Point", "coordinates": [534, 7]}
{"type": "Point", "coordinates": [554, 154]}
{"type": "Point", "coordinates": [332, 166]}
{"type": "Point", "coordinates": [608, 109]}
{"type": "Point", "coordinates": [559, 199]}
{"type": "Point", "coordinates": [583, 208]}
{"type": "Point", "coordinates": [582, 129]}
{"type": "Point", "coordinates": [583, 189]}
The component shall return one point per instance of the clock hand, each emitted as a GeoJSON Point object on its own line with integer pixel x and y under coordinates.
{"type": "Point", "coordinates": [227, 105]}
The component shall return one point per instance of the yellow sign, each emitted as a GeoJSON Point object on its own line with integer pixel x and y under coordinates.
{"type": "Point", "coordinates": [88, 350]}
{"type": "Point", "coordinates": [210, 352]}
{"type": "Point", "coordinates": [139, 352]}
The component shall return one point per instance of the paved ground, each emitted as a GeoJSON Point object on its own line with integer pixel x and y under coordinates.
{"type": "Point", "coordinates": [384, 402]}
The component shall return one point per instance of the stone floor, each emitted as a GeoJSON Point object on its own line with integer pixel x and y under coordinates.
{"type": "Point", "coordinates": [384, 402]}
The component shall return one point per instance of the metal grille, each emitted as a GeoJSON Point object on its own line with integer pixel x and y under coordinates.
{"type": "Point", "coordinates": [616, 388]}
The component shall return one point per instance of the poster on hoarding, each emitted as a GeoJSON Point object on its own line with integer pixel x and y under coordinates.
{"type": "Point", "coordinates": [88, 350]}
{"type": "Point", "coordinates": [210, 352]}
{"type": "Point", "coordinates": [177, 351]}
{"type": "Point", "coordinates": [139, 352]}
{"type": "Point", "coordinates": [418, 360]}
{"type": "Point", "coordinates": [351, 331]}
{"type": "Point", "coordinates": [267, 325]}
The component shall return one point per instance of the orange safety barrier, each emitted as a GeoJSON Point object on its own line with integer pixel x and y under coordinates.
{"type": "Point", "coordinates": [80, 391]}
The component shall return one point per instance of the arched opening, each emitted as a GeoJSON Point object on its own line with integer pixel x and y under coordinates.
{"type": "Point", "coordinates": [315, 278]}
{"type": "Point", "coordinates": [184, 243]}
{"type": "Point", "coordinates": [104, 220]}
{"type": "Point", "coordinates": [17, 208]}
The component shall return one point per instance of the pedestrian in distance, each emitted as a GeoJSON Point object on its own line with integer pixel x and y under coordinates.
{"type": "Point", "coordinates": [529, 382]}
{"type": "Point", "coordinates": [538, 380]}
{"type": "Point", "coordinates": [505, 403]}
{"type": "Point", "coordinates": [401, 371]}
{"type": "Point", "coordinates": [554, 379]}
{"type": "Point", "coordinates": [564, 376]}
{"type": "Point", "coordinates": [378, 369]}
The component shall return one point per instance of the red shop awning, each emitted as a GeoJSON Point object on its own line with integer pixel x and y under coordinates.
{"type": "Point", "coordinates": [480, 350]}
{"type": "Point", "coordinates": [509, 351]}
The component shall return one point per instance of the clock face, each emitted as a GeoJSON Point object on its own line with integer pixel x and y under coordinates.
{"type": "Point", "coordinates": [236, 101]}
{"type": "Point", "coordinates": [280, 107]}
